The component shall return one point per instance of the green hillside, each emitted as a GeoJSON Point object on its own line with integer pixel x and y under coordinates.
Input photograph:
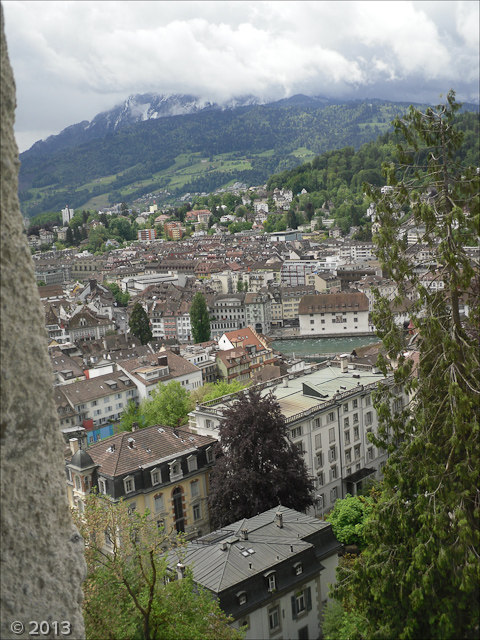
{"type": "Point", "coordinates": [195, 153]}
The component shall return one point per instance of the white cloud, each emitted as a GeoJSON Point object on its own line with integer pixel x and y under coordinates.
{"type": "Point", "coordinates": [72, 59]}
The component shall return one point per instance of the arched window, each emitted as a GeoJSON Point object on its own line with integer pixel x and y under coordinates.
{"type": "Point", "coordinates": [178, 510]}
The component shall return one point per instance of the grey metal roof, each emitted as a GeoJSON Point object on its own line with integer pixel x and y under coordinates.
{"type": "Point", "coordinates": [221, 560]}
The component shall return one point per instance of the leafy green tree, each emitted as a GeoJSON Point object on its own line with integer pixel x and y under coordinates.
{"type": "Point", "coordinates": [199, 319]}
{"type": "Point", "coordinates": [348, 519]}
{"type": "Point", "coordinates": [131, 414]}
{"type": "Point", "coordinates": [419, 575]}
{"type": "Point", "coordinates": [170, 405]}
{"type": "Point", "coordinates": [256, 466]}
{"type": "Point", "coordinates": [128, 593]}
{"type": "Point", "coordinates": [140, 324]}
{"type": "Point", "coordinates": [121, 298]}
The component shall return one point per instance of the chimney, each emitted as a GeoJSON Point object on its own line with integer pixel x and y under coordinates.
{"type": "Point", "coordinates": [244, 534]}
{"type": "Point", "coordinates": [344, 363]}
{"type": "Point", "coordinates": [134, 426]}
{"type": "Point", "coordinates": [279, 519]}
{"type": "Point", "coordinates": [180, 570]}
{"type": "Point", "coordinates": [74, 446]}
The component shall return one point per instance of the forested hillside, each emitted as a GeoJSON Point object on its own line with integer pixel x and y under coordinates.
{"type": "Point", "coordinates": [197, 152]}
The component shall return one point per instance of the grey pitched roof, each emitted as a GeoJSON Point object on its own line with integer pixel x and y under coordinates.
{"type": "Point", "coordinates": [222, 559]}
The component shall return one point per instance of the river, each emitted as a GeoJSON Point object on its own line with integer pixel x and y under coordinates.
{"type": "Point", "coordinates": [309, 346]}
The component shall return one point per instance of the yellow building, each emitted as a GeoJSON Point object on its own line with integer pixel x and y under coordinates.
{"type": "Point", "coordinates": [159, 468]}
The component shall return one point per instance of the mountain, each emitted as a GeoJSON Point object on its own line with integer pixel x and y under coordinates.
{"type": "Point", "coordinates": [179, 144]}
{"type": "Point", "coordinates": [136, 108]}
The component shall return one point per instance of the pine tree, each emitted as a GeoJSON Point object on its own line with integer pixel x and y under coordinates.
{"type": "Point", "coordinates": [256, 467]}
{"type": "Point", "coordinates": [140, 324]}
{"type": "Point", "coordinates": [419, 576]}
{"type": "Point", "coordinates": [199, 319]}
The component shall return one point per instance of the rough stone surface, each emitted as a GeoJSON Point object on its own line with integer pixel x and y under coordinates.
{"type": "Point", "coordinates": [42, 563]}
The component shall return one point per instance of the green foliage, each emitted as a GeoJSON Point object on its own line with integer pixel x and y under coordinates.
{"type": "Point", "coordinates": [140, 324]}
{"type": "Point", "coordinates": [143, 157]}
{"type": "Point", "coordinates": [339, 624]}
{"type": "Point", "coordinates": [199, 319]}
{"type": "Point", "coordinates": [41, 283]}
{"type": "Point", "coordinates": [129, 416]}
{"type": "Point", "coordinates": [170, 405]}
{"type": "Point", "coordinates": [223, 388]}
{"type": "Point", "coordinates": [121, 298]}
{"type": "Point", "coordinates": [127, 593]}
{"type": "Point", "coordinates": [348, 519]}
{"type": "Point", "coordinates": [419, 575]}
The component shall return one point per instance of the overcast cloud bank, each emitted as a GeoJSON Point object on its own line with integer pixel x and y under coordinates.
{"type": "Point", "coordinates": [73, 60]}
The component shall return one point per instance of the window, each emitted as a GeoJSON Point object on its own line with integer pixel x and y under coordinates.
{"type": "Point", "coordinates": [158, 502]}
{"type": "Point", "coordinates": [132, 507]}
{"type": "Point", "coordinates": [331, 417]}
{"type": "Point", "coordinates": [301, 602]}
{"type": "Point", "coordinates": [333, 494]}
{"type": "Point", "coordinates": [242, 597]}
{"type": "Point", "coordinates": [210, 454]}
{"type": "Point", "coordinates": [331, 435]}
{"type": "Point", "coordinates": [355, 404]}
{"type": "Point", "coordinates": [368, 417]}
{"type": "Point", "coordinates": [93, 404]}
{"type": "Point", "coordinates": [319, 460]}
{"type": "Point", "coordinates": [78, 483]}
{"type": "Point", "coordinates": [86, 482]}
{"type": "Point", "coordinates": [197, 512]}
{"type": "Point", "coordinates": [332, 453]}
{"type": "Point", "coordinates": [370, 453]}
{"type": "Point", "coordinates": [300, 448]}
{"type": "Point", "coordinates": [312, 321]}
{"type": "Point", "coordinates": [316, 423]}
{"type": "Point", "coordinates": [348, 455]}
{"type": "Point", "coordinates": [155, 475]}
{"type": "Point", "coordinates": [195, 488]}
{"type": "Point", "coordinates": [357, 451]}
{"type": "Point", "coordinates": [320, 479]}
{"type": "Point", "coordinates": [367, 401]}
{"type": "Point", "coordinates": [322, 321]}
{"type": "Point", "coordinates": [271, 585]}
{"type": "Point", "coordinates": [129, 484]}
{"type": "Point", "coordinates": [318, 441]}
{"type": "Point", "coordinates": [356, 433]}
{"type": "Point", "coordinates": [178, 510]}
{"type": "Point", "coordinates": [333, 473]}
{"type": "Point", "coordinates": [298, 568]}
{"type": "Point", "coordinates": [345, 408]}
{"type": "Point", "coordinates": [346, 422]}
{"type": "Point", "coordinates": [102, 485]}
{"type": "Point", "coordinates": [355, 417]}
{"type": "Point", "coordinates": [296, 432]}
{"type": "Point", "coordinates": [347, 437]}
{"type": "Point", "coordinates": [192, 463]}
{"type": "Point", "coordinates": [274, 618]}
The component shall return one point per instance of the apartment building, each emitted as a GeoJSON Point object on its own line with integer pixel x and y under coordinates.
{"type": "Point", "coordinates": [329, 414]}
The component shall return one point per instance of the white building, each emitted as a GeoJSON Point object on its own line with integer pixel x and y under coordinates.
{"type": "Point", "coordinates": [329, 414]}
{"type": "Point", "coordinates": [67, 215]}
{"type": "Point", "coordinates": [333, 314]}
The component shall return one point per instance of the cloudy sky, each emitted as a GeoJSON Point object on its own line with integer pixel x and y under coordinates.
{"type": "Point", "coordinates": [74, 59]}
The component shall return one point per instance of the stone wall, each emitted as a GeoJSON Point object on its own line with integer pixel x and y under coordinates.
{"type": "Point", "coordinates": [42, 564]}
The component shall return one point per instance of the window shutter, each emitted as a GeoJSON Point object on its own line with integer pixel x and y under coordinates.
{"type": "Point", "coordinates": [309, 598]}
{"type": "Point", "coordinates": [294, 608]}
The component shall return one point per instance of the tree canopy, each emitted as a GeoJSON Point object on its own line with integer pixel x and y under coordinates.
{"type": "Point", "coordinates": [256, 466]}
{"type": "Point", "coordinates": [140, 324]}
{"type": "Point", "coordinates": [348, 519]}
{"type": "Point", "coordinates": [419, 574]}
{"type": "Point", "coordinates": [128, 593]}
{"type": "Point", "coordinates": [199, 319]}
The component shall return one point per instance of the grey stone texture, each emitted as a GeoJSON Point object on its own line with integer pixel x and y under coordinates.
{"type": "Point", "coordinates": [42, 562]}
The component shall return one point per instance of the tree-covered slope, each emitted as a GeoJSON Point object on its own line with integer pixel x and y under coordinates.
{"type": "Point", "coordinates": [259, 140]}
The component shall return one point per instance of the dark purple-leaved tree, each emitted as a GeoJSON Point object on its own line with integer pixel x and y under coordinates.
{"type": "Point", "coordinates": [256, 466]}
